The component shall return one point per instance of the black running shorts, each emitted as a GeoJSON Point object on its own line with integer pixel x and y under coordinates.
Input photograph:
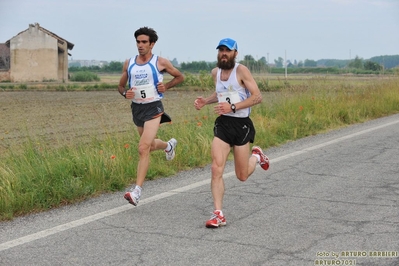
{"type": "Point", "coordinates": [234, 131]}
{"type": "Point", "coordinates": [145, 112]}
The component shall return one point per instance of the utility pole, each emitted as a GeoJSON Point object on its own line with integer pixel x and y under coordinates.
{"type": "Point", "coordinates": [285, 63]}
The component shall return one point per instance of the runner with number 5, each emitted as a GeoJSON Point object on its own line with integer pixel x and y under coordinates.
{"type": "Point", "coordinates": [143, 74]}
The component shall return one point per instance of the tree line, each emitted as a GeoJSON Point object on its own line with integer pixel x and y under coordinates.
{"type": "Point", "coordinates": [374, 64]}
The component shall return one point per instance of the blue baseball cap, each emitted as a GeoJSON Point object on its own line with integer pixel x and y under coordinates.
{"type": "Point", "coordinates": [229, 43]}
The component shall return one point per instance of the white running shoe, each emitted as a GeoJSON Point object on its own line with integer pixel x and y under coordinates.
{"type": "Point", "coordinates": [171, 154]}
{"type": "Point", "coordinates": [133, 196]}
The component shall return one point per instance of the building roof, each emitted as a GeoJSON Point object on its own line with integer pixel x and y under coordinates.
{"type": "Point", "coordinates": [59, 39]}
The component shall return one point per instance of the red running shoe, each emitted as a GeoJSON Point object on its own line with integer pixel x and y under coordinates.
{"type": "Point", "coordinates": [264, 160]}
{"type": "Point", "coordinates": [216, 220]}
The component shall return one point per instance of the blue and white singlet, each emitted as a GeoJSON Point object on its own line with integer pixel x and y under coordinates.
{"type": "Point", "coordinates": [143, 80]}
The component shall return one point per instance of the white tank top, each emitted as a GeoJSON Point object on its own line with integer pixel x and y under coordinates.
{"type": "Point", "coordinates": [231, 91]}
{"type": "Point", "coordinates": [143, 79]}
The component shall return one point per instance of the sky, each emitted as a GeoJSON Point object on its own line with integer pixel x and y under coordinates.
{"type": "Point", "coordinates": [190, 30]}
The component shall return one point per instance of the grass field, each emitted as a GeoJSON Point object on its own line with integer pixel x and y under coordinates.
{"type": "Point", "coordinates": [64, 118]}
{"type": "Point", "coordinates": [60, 147]}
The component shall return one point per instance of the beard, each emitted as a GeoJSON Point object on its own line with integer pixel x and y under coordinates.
{"type": "Point", "coordinates": [229, 64]}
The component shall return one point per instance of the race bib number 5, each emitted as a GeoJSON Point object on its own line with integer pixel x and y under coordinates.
{"type": "Point", "coordinates": [144, 93]}
{"type": "Point", "coordinates": [229, 96]}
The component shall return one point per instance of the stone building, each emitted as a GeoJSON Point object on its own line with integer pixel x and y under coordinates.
{"type": "Point", "coordinates": [36, 54]}
{"type": "Point", "coordinates": [4, 62]}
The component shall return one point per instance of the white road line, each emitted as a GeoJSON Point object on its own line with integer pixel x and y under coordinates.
{"type": "Point", "coordinates": [319, 146]}
{"type": "Point", "coordinates": [98, 216]}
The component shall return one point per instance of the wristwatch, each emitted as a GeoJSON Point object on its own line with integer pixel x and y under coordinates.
{"type": "Point", "coordinates": [233, 107]}
{"type": "Point", "coordinates": [124, 94]}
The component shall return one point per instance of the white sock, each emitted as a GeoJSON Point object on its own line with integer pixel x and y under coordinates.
{"type": "Point", "coordinates": [257, 157]}
{"type": "Point", "coordinates": [169, 147]}
{"type": "Point", "coordinates": [220, 212]}
{"type": "Point", "coordinates": [139, 188]}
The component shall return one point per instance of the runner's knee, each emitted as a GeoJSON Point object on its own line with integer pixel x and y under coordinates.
{"type": "Point", "coordinates": [144, 149]}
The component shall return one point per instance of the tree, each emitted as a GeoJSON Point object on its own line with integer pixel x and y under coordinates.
{"type": "Point", "coordinates": [356, 63]}
{"type": "Point", "coordinates": [279, 62]}
{"type": "Point", "coordinates": [249, 58]}
{"type": "Point", "coordinates": [289, 64]}
{"type": "Point", "coordinates": [387, 61]}
{"type": "Point", "coordinates": [333, 63]}
{"type": "Point", "coordinates": [310, 63]}
{"type": "Point", "coordinates": [175, 62]}
{"type": "Point", "coordinates": [196, 66]}
{"type": "Point", "coordinates": [263, 60]}
{"type": "Point", "coordinates": [114, 66]}
{"type": "Point", "coordinates": [255, 66]}
{"type": "Point", "coordinates": [369, 65]}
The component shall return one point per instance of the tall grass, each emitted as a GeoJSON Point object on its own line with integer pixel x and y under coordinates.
{"type": "Point", "coordinates": [315, 106]}
{"type": "Point", "coordinates": [42, 177]}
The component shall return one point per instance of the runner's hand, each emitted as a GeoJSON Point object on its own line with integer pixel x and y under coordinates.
{"type": "Point", "coordinates": [161, 87]}
{"type": "Point", "coordinates": [129, 94]}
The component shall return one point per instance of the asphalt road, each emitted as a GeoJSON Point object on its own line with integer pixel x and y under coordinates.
{"type": "Point", "coordinates": [330, 199]}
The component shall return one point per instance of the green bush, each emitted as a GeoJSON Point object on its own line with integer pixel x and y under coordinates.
{"type": "Point", "coordinates": [84, 76]}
